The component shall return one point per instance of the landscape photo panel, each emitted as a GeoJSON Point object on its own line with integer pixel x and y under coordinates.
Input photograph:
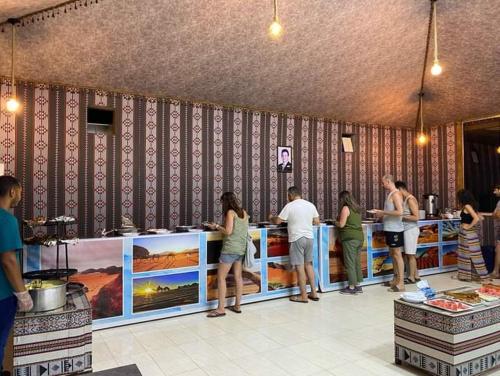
{"type": "Point", "coordinates": [251, 283]}
{"type": "Point", "coordinates": [100, 266]}
{"type": "Point", "coordinates": [382, 264]}
{"type": "Point", "coordinates": [336, 258]}
{"type": "Point", "coordinates": [280, 276]}
{"type": "Point", "coordinates": [159, 292]}
{"type": "Point", "coordinates": [165, 252]}
{"type": "Point", "coordinates": [277, 242]}
{"type": "Point", "coordinates": [427, 257]}
{"type": "Point", "coordinates": [450, 254]}
{"type": "Point", "coordinates": [215, 240]}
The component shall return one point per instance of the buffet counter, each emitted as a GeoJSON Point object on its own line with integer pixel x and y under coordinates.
{"type": "Point", "coordinates": [140, 278]}
{"type": "Point", "coordinates": [446, 343]}
{"type": "Point", "coordinates": [57, 342]}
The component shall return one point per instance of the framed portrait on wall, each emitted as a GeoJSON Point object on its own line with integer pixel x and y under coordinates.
{"type": "Point", "coordinates": [284, 159]}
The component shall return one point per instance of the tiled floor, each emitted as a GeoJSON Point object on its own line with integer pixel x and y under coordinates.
{"type": "Point", "coordinates": [339, 335]}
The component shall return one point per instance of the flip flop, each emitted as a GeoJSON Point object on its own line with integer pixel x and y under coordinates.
{"type": "Point", "coordinates": [216, 314]}
{"type": "Point", "coordinates": [408, 281]}
{"type": "Point", "coordinates": [234, 309]}
{"type": "Point", "coordinates": [387, 284]}
{"type": "Point", "coordinates": [313, 298]}
{"type": "Point", "coordinates": [296, 299]}
{"type": "Point", "coordinates": [395, 289]}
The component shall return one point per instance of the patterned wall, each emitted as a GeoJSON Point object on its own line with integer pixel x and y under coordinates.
{"type": "Point", "coordinates": [167, 162]}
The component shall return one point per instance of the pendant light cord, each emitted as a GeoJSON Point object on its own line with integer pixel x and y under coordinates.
{"type": "Point", "coordinates": [435, 31]}
{"type": "Point", "coordinates": [12, 82]}
{"type": "Point", "coordinates": [275, 10]}
{"type": "Point", "coordinates": [421, 92]}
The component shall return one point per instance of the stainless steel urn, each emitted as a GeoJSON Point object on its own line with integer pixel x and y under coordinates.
{"type": "Point", "coordinates": [431, 204]}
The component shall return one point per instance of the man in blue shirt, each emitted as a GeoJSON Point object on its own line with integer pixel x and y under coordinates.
{"type": "Point", "coordinates": [13, 293]}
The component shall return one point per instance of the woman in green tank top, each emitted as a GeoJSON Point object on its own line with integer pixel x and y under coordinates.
{"type": "Point", "coordinates": [235, 230]}
{"type": "Point", "coordinates": [351, 236]}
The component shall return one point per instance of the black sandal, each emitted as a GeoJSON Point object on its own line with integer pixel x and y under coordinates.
{"type": "Point", "coordinates": [216, 314]}
{"type": "Point", "coordinates": [296, 299]}
{"type": "Point", "coordinates": [234, 309]}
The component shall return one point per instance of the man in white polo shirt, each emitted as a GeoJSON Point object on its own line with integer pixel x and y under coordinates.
{"type": "Point", "coordinates": [300, 215]}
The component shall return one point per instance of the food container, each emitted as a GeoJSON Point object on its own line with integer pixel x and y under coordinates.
{"type": "Point", "coordinates": [47, 295]}
{"type": "Point", "coordinates": [431, 204]}
{"type": "Point", "coordinates": [184, 228]}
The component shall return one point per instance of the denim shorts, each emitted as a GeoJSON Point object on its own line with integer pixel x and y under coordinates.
{"type": "Point", "coordinates": [229, 258]}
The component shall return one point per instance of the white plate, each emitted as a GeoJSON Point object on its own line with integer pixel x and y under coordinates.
{"type": "Point", "coordinates": [130, 234]}
{"type": "Point", "coordinates": [413, 297]}
{"type": "Point", "coordinates": [372, 211]}
{"type": "Point", "coordinates": [196, 230]}
{"type": "Point", "coordinates": [159, 230]}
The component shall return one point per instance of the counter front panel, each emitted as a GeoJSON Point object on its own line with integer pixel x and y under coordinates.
{"type": "Point", "coordinates": [155, 276]}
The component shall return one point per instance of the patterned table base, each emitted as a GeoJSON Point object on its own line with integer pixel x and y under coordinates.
{"type": "Point", "coordinates": [438, 367]}
{"type": "Point", "coordinates": [77, 364]}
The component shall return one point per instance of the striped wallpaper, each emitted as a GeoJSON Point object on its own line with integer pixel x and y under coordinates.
{"type": "Point", "coordinates": [168, 162]}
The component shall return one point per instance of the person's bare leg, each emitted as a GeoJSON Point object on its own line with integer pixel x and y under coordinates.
{"type": "Point", "coordinates": [399, 268]}
{"type": "Point", "coordinates": [222, 272]}
{"type": "Point", "coordinates": [310, 277]}
{"type": "Point", "coordinates": [395, 271]}
{"type": "Point", "coordinates": [301, 277]}
{"type": "Point", "coordinates": [238, 277]}
{"type": "Point", "coordinates": [412, 264]}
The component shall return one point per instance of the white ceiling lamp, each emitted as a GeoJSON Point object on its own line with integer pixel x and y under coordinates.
{"type": "Point", "coordinates": [275, 30]}
{"type": "Point", "coordinates": [12, 104]}
{"type": "Point", "coordinates": [436, 67]}
{"type": "Point", "coordinates": [422, 138]}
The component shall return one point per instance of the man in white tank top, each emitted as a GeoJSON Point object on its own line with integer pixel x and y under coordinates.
{"type": "Point", "coordinates": [394, 230]}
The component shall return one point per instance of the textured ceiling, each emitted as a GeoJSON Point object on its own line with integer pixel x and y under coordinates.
{"type": "Point", "coordinates": [348, 60]}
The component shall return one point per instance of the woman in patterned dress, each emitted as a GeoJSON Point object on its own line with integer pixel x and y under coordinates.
{"type": "Point", "coordinates": [470, 259]}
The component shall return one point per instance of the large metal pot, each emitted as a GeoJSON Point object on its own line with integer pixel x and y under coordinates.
{"type": "Point", "coordinates": [47, 295]}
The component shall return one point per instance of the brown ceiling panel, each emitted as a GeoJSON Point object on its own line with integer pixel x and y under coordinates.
{"type": "Point", "coordinates": [349, 60]}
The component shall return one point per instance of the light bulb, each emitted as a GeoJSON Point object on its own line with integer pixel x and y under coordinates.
{"type": "Point", "coordinates": [498, 150]}
{"type": "Point", "coordinates": [12, 104]}
{"type": "Point", "coordinates": [275, 29]}
{"type": "Point", "coordinates": [422, 139]}
{"type": "Point", "coordinates": [436, 68]}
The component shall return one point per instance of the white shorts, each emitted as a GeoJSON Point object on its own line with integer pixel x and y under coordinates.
{"type": "Point", "coordinates": [411, 240]}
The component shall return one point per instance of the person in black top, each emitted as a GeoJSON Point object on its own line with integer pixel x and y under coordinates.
{"type": "Point", "coordinates": [470, 258]}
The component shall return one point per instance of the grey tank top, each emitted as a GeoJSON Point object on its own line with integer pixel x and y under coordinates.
{"type": "Point", "coordinates": [406, 211]}
{"type": "Point", "coordinates": [392, 223]}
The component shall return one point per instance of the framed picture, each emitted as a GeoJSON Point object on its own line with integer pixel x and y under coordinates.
{"type": "Point", "coordinates": [284, 159]}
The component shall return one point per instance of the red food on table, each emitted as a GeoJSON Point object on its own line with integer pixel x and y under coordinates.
{"type": "Point", "coordinates": [448, 304]}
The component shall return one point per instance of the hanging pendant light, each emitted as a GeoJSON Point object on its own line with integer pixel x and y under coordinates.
{"type": "Point", "coordinates": [422, 138]}
{"type": "Point", "coordinates": [275, 30]}
{"type": "Point", "coordinates": [436, 67]}
{"type": "Point", "coordinates": [12, 104]}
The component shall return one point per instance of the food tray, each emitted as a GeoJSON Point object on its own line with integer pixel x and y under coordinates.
{"type": "Point", "coordinates": [451, 297]}
{"type": "Point", "coordinates": [464, 306]}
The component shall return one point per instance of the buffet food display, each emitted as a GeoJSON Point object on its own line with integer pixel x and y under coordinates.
{"type": "Point", "coordinates": [153, 274]}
